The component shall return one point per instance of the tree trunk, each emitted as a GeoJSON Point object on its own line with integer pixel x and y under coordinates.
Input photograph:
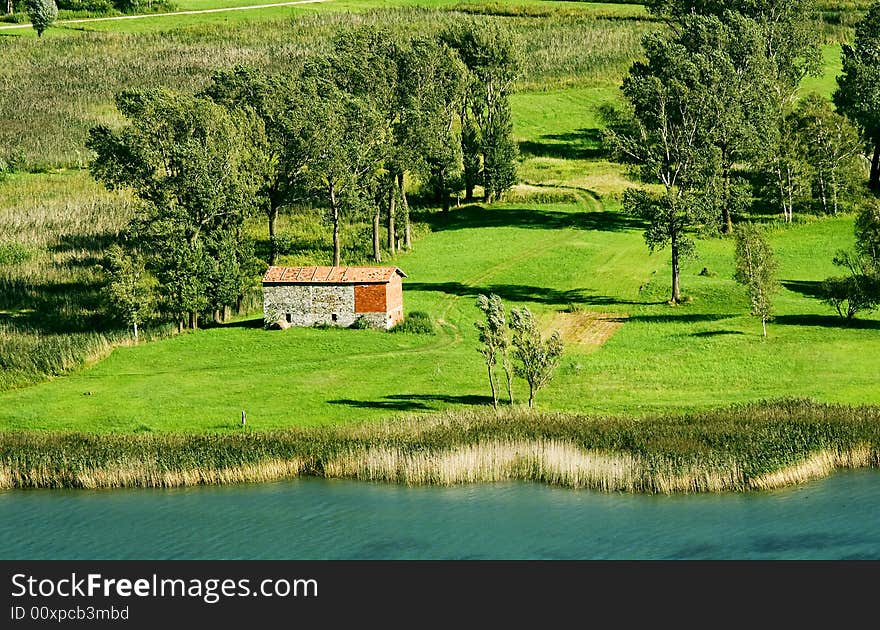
{"type": "Point", "coordinates": [834, 202]}
{"type": "Point", "coordinates": [135, 326]}
{"type": "Point", "coordinates": [822, 194]}
{"type": "Point", "coordinates": [392, 237]}
{"type": "Point", "coordinates": [179, 326]}
{"type": "Point", "coordinates": [194, 320]}
{"type": "Point", "coordinates": [407, 233]}
{"type": "Point", "coordinates": [676, 291]}
{"type": "Point", "coordinates": [226, 313]}
{"type": "Point", "coordinates": [531, 396]}
{"type": "Point", "coordinates": [509, 375]}
{"type": "Point", "coordinates": [216, 315]}
{"type": "Point", "coordinates": [377, 247]}
{"type": "Point", "coordinates": [492, 385]}
{"type": "Point", "coordinates": [764, 324]}
{"type": "Point", "coordinates": [726, 218]}
{"type": "Point", "coordinates": [10, 8]}
{"type": "Point", "coordinates": [334, 207]}
{"type": "Point", "coordinates": [273, 244]}
{"type": "Point", "coordinates": [874, 180]}
{"type": "Point", "coordinates": [444, 194]}
{"type": "Point", "coordinates": [790, 193]}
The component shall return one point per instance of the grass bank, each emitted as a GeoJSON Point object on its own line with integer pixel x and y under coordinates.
{"type": "Point", "coordinates": [745, 447]}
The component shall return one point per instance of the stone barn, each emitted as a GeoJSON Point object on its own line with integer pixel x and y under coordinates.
{"type": "Point", "coordinates": [337, 296]}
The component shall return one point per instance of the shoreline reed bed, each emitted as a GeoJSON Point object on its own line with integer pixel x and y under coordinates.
{"type": "Point", "coordinates": [758, 446]}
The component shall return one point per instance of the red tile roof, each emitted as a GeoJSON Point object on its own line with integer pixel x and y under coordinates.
{"type": "Point", "coordinates": [330, 275]}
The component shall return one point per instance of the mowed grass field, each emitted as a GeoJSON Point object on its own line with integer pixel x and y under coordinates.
{"type": "Point", "coordinates": [559, 245]}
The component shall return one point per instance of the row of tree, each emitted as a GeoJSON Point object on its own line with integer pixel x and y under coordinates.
{"type": "Point", "coordinates": [714, 120]}
{"type": "Point", "coordinates": [346, 134]}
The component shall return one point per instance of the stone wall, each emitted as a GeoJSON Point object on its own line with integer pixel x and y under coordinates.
{"type": "Point", "coordinates": [307, 305]}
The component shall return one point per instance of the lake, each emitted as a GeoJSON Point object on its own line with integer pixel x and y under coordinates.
{"type": "Point", "coordinates": [834, 518]}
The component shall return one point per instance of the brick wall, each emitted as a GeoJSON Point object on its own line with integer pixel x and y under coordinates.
{"type": "Point", "coordinates": [394, 300]}
{"type": "Point", "coordinates": [369, 298]}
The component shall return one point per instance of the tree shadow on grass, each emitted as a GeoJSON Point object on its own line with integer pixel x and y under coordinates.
{"type": "Point", "coordinates": [716, 333]}
{"type": "Point", "coordinates": [61, 307]}
{"type": "Point", "coordinates": [257, 322]}
{"type": "Point", "coordinates": [475, 216]}
{"type": "Point", "coordinates": [808, 288]}
{"type": "Point", "coordinates": [827, 321]}
{"type": "Point", "coordinates": [413, 402]}
{"type": "Point", "coordinates": [524, 293]}
{"type": "Point", "coordinates": [684, 318]}
{"type": "Point", "coordinates": [583, 144]}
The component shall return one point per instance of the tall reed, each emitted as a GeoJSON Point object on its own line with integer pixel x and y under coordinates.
{"type": "Point", "coordinates": [748, 447]}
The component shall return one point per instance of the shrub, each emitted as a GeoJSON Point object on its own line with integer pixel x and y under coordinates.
{"type": "Point", "coordinates": [417, 323]}
{"type": "Point", "coordinates": [852, 294]}
{"type": "Point", "coordinates": [42, 14]}
{"type": "Point", "coordinates": [361, 323]}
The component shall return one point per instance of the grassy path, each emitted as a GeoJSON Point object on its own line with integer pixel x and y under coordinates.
{"type": "Point", "coordinates": [168, 14]}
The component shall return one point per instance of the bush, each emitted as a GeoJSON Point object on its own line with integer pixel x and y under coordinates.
{"type": "Point", "coordinates": [87, 6]}
{"type": "Point", "coordinates": [361, 323]}
{"type": "Point", "coordinates": [851, 294]}
{"type": "Point", "coordinates": [417, 323]}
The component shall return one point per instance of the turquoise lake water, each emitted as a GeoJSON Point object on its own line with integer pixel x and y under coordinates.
{"type": "Point", "coordinates": [834, 518]}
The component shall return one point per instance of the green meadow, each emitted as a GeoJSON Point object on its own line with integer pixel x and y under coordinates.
{"type": "Point", "coordinates": [558, 244]}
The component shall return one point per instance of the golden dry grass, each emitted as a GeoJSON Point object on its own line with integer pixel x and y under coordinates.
{"type": "Point", "coordinates": [586, 329]}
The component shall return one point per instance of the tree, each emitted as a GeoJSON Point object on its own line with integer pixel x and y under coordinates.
{"type": "Point", "coordinates": [756, 270]}
{"type": "Point", "coordinates": [867, 231]}
{"type": "Point", "coordinates": [492, 58]}
{"type": "Point", "coordinates": [786, 171]}
{"type": "Point", "coordinates": [789, 31]}
{"type": "Point", "coordinates": [278, 161]}
{"type": "Point", "coordinates": [365, 63]}
{"type": "Point", "coordinates": [830, 144]}
{"type": "Point", "coordinates": [432, 82]}
{"type": "Point", "coordinates": [737, 84]}
{"type": "Point", "coordinates": [859, 289]}
{"type": "Point", "coordinates": [496, 342]}
{"type": "Point", "coordinates": [42, 13]}
{"type": "Point", "coordinates": [858, 87]}
{"type": "Point", "coordinates": [668, 135]}
{"type": "Point", "coordinates": [131, 288]}
{"type": "Point", "coordinates": [537, 358]}
{"type": "Point", "coordinates": [187, 159]}
{"type": "Point", "coordinates": [345, 143]}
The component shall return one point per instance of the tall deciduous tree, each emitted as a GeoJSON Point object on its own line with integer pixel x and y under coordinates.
{"type": "Point", "coordinates": [131, 288]}
{"type": "Point", "coordinates": [432, 82]}
{"type": "Point", "coordinates": [492, 57]}
{"type": "Point", "coordinates": [830, 145]}
{"type": "Point", "coordinates": [756, 270]}
{"type": "Point", "coordinates": [278, 159]}
{"type": "Point", "coordinates": [737, 82]}
{"type": "Point", "coordinates": [187, 159]}
{"type": "Point", "coordinates": [345, 142]}
{"type": "Point", "coordinates": [669, 137]}
{"type": "Point", "coordinates": [858, 87]}
{"type": "Point", "coordinates": [537, 358]}
{"type": "Point", "coordinates": [495, 337]}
